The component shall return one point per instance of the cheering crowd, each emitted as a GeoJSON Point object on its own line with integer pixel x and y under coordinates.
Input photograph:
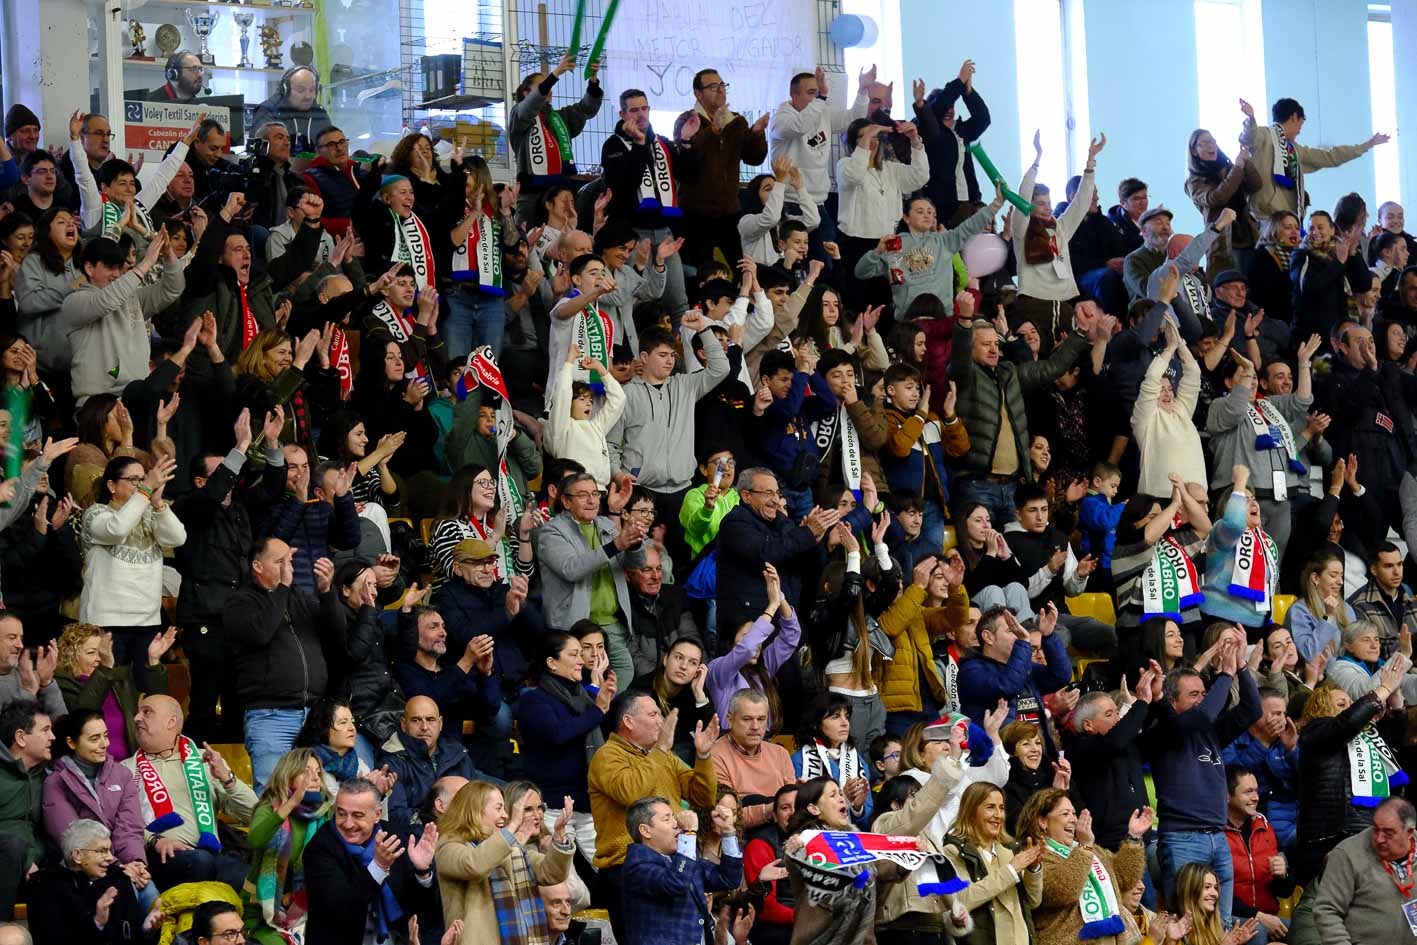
{"type": "Point", "coordinates": [870, 553]}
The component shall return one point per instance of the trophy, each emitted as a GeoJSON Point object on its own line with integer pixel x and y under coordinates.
{"type": "Point", "coordinates": [137, 37]}
{"type": "Point", "coordinates": [202, 24]}
{"type": "Point", "coordinates": [270, 46]}
{"type": "Point", "coordinates": [244, 20]}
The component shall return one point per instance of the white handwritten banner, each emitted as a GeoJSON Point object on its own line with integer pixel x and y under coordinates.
{"type": "Point", "coordinates": [756, 46]}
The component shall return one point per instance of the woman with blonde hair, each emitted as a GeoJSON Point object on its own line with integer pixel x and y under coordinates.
{"type": "Point", "coordinates": [527, 795]}
{"type": "Point", "coordinates": [273, 371]}
{"type": "Point", "coordinates": [485, 864]}
{"type": "Point", "coordinates": [294, 804]}
{"type": "Point", "coordinates": [1005, 884]}
{"type": "Point", "coordinates": [1317, 620]}
{"type": "Point", "coordinates": [1198, 898]}
{"type": "Point", "coordinates": [88, 679]}
{"type": "Point", "coordinates": [1334, 730]}
{"type": "Point", "coordinates": [1083, 883]}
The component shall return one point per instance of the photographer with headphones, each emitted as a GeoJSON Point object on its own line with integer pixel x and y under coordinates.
{"type": "Point", "coordinates": [186, 77]}
{"type": "Point", "coordinates": [295, 104]}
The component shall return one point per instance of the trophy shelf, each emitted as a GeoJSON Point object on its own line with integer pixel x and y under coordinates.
{"type": "Point", "coordinates": [159, 65]}
{"type": "Point", "coordinates": [137, 11]}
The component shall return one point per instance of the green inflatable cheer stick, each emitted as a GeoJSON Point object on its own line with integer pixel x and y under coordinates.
{"type": "Point", "coordinates": [993, 174]}
{"type": "Point", "coordinates": [599, 47]}
{"type": "Point", "coordinates": [575, 46]}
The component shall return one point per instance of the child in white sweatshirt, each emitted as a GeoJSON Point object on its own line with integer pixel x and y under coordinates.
{"type": "Point", "coordinates": [571, 432]}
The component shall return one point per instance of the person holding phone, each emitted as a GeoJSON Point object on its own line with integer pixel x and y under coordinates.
{"type": "Point", "coordinates": [871, 187]}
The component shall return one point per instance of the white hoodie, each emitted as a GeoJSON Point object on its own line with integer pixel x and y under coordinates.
{"type": "Point", "coordinates": [806, 137]}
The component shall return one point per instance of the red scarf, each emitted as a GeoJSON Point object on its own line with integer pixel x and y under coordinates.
{"type": "Point", "coordinates": [249, 328]}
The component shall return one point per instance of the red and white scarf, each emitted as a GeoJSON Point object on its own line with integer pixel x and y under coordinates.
{"type": "Point", "coordinates": [413, 246]}
{"type": "Point", "coordinates": [1256, 569]}
{"type": "Point", "coordinates": [482, 244]}
{"type": "Point", "coordinates": [400, 328]}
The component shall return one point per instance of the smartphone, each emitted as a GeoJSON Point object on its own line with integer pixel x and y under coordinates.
{"type": "Point", "coordinates": [718, 473]}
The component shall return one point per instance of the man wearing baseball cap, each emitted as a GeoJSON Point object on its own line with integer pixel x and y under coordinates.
{"type": "Point", "coordinates": [1155, 226]}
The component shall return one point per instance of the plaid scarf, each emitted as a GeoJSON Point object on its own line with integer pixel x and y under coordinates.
{"type": "Point", "coordinates": [275, 889]}
{"type": "Point", "coordinates": [521, 920]}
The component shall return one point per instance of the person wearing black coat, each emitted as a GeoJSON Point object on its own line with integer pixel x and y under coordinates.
{"type": "Point", "coordinates": [1318, 277]}
{"type": "Point", "coordinates": [478, 606]}
{"type": "Point", "coordinates": [353, 874]}
{"type": "Point", "coordinates": [213, 562]}
{"type": "Point", "coordinates": [945, 136]}
{"type": "Point", "coordinates": [1106, 759]}
{"type": "Point", "coordinates": [374, 695]}
{"type": "Point", "coordinates": [1327, 813]}
{"type": "Point", "coordinates": [758, 532]}
{"type": "Point", "coordinates": [69, 898]}
{"type": "Point", "coordinates": [1368, 403]}
{"type": "Point", "coordinates": [279, 636]}
{"type": "Point", "coordinates": [40, 568]}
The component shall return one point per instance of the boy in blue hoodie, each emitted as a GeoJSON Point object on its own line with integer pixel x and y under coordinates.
{"type": "Point", "coordinates": [781, 433]}
{"type": "Point", "coordinates": [1098, 515]}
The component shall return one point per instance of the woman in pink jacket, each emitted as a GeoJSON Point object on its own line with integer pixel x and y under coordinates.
{"type": "Point", "coordinates": [86, 783]}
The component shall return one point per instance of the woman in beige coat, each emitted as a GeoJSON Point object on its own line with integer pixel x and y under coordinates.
{"type": "Point", "coordinates": [1004, 886]}
{"type": "Point", "coordinates": [1070, 901]}
{"type": "Point", "coordinates": [901, 908]}
{"type": "Point", "coordinates": [485, 856]}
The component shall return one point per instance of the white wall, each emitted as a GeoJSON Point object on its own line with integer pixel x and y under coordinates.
{"type": "Point", "coordinates": [41, 66]}
{"type": "Point", "coordinates": [1142, 83]}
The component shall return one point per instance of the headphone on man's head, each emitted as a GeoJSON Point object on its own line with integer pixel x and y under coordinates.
{"type": "Point", "coordinates": [174, 65]}
{"type": "Point", "coordinates": [283, 89]}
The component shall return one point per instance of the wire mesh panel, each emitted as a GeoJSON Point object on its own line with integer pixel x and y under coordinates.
{"type": "Point", "coordinates": [657, 47]}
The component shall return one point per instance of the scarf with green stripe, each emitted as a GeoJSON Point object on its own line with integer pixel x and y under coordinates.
{"type": "Point", "coordinates": [1097, 902]}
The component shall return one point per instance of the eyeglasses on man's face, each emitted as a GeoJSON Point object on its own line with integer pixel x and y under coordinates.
{"type": "Point", "coordinates": [584, 494]}
{"type": "Point", "coordinates": [337, 143]}
{"type": "Point", "coordinates": [775, 493]}
{"type": "Point", "coordinates": [100, 134]}
{"type": "Point", "coordinates": [716, 87]}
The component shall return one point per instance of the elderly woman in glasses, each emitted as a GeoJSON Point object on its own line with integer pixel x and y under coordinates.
{"type": "Point", "coordinates": [89, 898]}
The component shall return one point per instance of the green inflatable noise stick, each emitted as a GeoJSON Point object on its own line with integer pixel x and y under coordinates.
{"type": "Point", "coordinates": [575, 46]}
{"type": "Point", "coordinates": [599, 47]}
{"type": "Point", "coordinates": [993, 174]}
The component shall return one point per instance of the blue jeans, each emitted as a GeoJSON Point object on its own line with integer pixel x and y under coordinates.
{"type": "Point", "coordinates": [932, 527]}
{"type": "Point", "coordinates": [270, 733]}
{"type": "Point", "coordinates": [130, 646]}
{"type": "Point", "coordinates": [1177, 848]}
{"type": "Point", "coordinates": [474, 319]}
{"type": "Point", "coordinates": [997, 497]}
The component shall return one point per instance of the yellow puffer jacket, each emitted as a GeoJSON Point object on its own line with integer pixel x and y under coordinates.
{"type": "Point", "coordinates": [911, 626]}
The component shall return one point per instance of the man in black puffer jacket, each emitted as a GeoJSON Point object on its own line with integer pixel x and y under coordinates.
{"type": "Point", "coordinates": [279, 636]}
{"type": "Point", "coordinates": [212, 563]}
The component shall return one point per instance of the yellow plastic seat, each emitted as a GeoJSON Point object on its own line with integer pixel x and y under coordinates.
{"type": "Point", "coordinates": [592, 915]}
{"type": "Point", "coordinates": [1080, 665]}
{"type": "Point", "coordinates": [426, 529]}
{"type": "Point", "coordinates": [237, 760]}
{"type": "Point", "coordinates": [1280, 610]}
{"type": "Point", "coordinates": [1097, 606]}
{"type": "Point", "coordinates": [786, 741]}
{"type": "Point", "coordinates": [951, 538]}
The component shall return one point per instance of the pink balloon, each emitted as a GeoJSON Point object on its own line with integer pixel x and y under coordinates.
{"type": "Point", "coordinates": [984, 254]}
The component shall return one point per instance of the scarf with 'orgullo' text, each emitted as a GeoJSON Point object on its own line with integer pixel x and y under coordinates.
{"type": "Point", "coordinates": [159, 811]}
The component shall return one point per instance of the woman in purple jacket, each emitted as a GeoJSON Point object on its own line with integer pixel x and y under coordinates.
{"type": "Point", "coordinates": [751, 666]}
{"type": "Point", "coordinates": [86, 783]}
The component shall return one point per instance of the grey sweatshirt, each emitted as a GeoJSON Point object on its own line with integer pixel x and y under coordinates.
{"type": "Point", "coordinates": [656, 434]}
{"type": "Point", "coordinates": [109, 330]}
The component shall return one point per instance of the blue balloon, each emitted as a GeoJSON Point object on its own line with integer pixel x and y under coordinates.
{"type": "Point", "coordinates": [850, 30]}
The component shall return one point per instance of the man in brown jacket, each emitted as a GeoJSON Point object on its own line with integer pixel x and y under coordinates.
{"type": "Point", "coordinates": [724, 140]}
{"type": "Point", "coordinates": [635, 762]}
